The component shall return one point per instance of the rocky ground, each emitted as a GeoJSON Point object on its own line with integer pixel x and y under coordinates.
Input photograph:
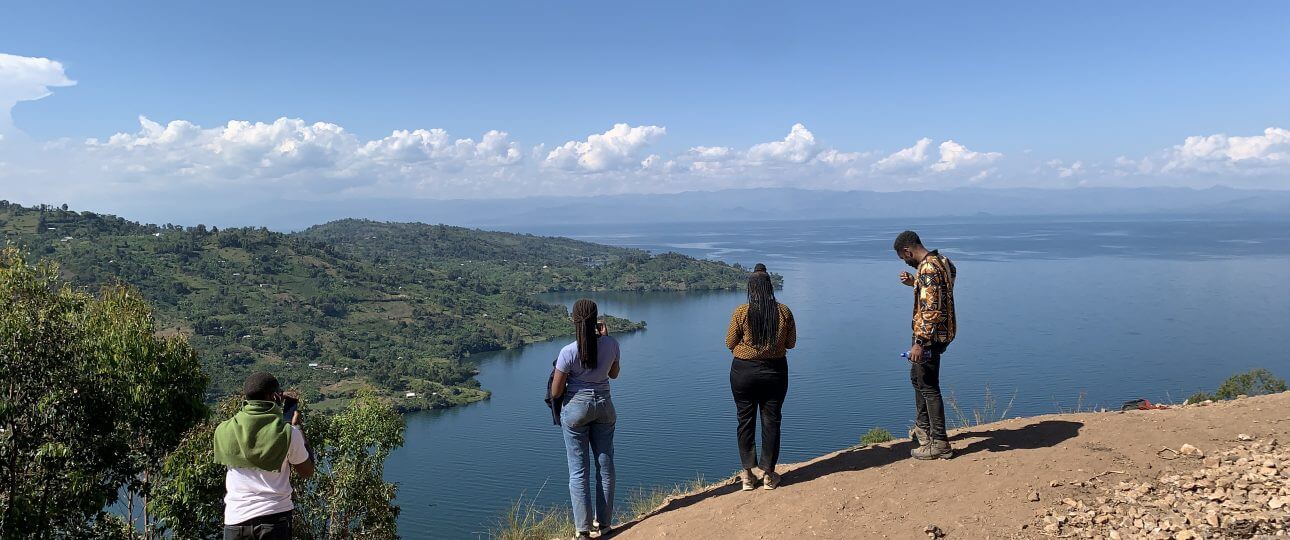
{"type": "Point", "coordinates": [1243, 492]}
{"type": "Point", "coordinates": [1219, 470]}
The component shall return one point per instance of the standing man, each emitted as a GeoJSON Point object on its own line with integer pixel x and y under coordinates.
{"type": "Point", "coordinates": [260, 449]}
{"type": "Point", "coordinates": [933, 327]}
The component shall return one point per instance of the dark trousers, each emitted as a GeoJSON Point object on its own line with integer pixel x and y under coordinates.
{"type": "Point", "coordinates": [927, 394]}
{"type": "Point", "coordinates": [270, 527]}
{"type": "Point", "coordinates": [759, 385]}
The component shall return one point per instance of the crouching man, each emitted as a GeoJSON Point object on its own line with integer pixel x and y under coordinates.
{"type": "Point", "coordinates": [260, 448]}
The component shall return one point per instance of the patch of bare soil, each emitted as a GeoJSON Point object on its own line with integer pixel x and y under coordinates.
{"type": "Point", "coordinates": [1087, 475]}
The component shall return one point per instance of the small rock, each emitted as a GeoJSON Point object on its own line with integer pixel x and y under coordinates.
{"type": "Point", "coordinates": [1244, 437]}
{"type": "Point", "coordinates": [1054, 483]}
{"type": "Point", "coordinates": [1052, 528]}
{"type": "Point", "coordinates": [1034, 496]}
{"type": "Point", "coordinates": [934, 531]}
{"type": "Point", "coordinates": [1189, 450]}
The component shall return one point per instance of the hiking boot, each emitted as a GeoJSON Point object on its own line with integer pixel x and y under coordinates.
{"type": "Point", "coordinates": [919, 435]}
{"type": "Point", "coordinates": [770, 481]}
{"type": "Point", "coordinates": [933, 450]}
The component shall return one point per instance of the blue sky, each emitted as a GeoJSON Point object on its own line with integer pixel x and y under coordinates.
{"type": "Point", "coordinates": [1031, 88]}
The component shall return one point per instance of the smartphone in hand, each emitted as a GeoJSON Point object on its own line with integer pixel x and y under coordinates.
{"type": "Point", "coordinates": [289, 406]}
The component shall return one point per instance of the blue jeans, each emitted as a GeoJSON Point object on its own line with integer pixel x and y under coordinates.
{"type": "Point", "coordinates": [587, 420]}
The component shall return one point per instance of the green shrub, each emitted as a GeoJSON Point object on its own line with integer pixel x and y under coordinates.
{"type": "Point", "coordinates": [1255, 382]}
{"type": "Point", "coordinates": [875, 436]}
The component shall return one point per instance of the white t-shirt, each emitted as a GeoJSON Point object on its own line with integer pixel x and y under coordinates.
{"type": "Point", "coordinates": [253, 492]}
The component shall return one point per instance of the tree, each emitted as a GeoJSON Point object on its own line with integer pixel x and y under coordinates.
{"type": "Point", "coordinates": [346, 498]}
{"type": "Point", "coordinates": [1252, 383]}
{"type": "Point", "coordinates": [86, 388]}
{"type": "Point", "coordinates": [188, 493]}
{"type": "Point", "coordinates": [350, 498]}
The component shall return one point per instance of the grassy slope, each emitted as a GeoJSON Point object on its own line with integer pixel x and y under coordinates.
{"type": "Point", "coordinates": [398, 306]}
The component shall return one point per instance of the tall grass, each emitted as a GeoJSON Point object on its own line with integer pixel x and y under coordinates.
{"type": "Point", "coordinates": [989, 411]}
{"type": "Point", "coordinates": [527, 521]}
{"type": "Point", "coordinates": [644, 501]}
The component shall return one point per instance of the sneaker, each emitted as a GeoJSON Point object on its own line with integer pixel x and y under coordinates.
{"type": "Point", "coordinates": [933, 450]}
{"type": "Point", "coordinates": [602, 532]}
{"type": "Point", "coordinates": [919, 435]}
{"type": "Point", "coordinates": [748, 480]}
{"type": "Point", "coordinates": [771, 481]}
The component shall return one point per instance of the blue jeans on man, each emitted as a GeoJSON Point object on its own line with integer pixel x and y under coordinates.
{"type": "Point", "coordinates": [587, 420]}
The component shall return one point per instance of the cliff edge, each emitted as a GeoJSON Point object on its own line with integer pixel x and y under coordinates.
{"type": "Point", "coordinates": [1214, 470]}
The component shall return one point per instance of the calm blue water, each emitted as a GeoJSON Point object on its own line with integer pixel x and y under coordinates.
{"type": "Point", "coordinates": [1058, 314]}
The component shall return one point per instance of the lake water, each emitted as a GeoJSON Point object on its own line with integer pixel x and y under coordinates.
{"type": "Point", "coordinates": [1052, 316]}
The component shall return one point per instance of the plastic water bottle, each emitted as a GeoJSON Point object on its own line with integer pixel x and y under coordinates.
{"type": "Point", "coordinates": [927, 355]}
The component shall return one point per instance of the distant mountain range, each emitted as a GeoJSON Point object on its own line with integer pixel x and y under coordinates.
{"type": "Point", "coordinates": [739, 205]}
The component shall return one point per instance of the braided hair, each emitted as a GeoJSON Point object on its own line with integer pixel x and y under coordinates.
{"type": "Point", "coordinates": [763, 310]}
{"type": "Point", "coordinates": [585, 316]}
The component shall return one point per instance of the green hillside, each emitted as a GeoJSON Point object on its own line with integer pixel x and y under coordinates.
{"type": "Point", "coordinates": [400, 307]}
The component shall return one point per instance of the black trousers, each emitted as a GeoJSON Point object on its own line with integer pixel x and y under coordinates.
{"type": "Point", "coordinates": [759, 385]}
{"type": "Point", "coordinates": [269, 527]}
{"type": "Point", "coordinates": [927, 394]}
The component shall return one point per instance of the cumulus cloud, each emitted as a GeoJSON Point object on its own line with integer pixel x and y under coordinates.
{"type": "Point", "coordinates": [956, 156]}
{"type": "Point", "coordinates": [905, 159]}
{"type": "Point", "coordinates": [1223, 153]}
{"type": "Point", "coordinates": [620, 146]}
{"type": "Point", "coordinates": [295, 158]}
{"type": "Point", "coordinates": [423, 145]}
{"type": "Point", "coordinates": [796, 147]}
{"type": "Point", "coordinates": [25, 78]}
{"type": "Point", "coordinates": [956, 163]}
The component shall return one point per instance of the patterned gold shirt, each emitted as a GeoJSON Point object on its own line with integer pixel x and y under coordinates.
{"type": "Point", "coordinates": [934, 300]}
{"type": "Point", "coordinates": [739, 339]}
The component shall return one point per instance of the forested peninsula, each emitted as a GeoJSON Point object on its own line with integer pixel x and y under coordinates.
{"type": "Point", "coordinates": [351, 304]}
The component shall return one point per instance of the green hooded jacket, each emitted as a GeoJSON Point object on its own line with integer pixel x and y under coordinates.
{"type": "Point", "coordinates": [255, 437]}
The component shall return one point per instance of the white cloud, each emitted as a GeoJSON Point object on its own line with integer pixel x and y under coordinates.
{"type": "Point", "coordinates": [238, 150]}
{"type": "Point", "coordinates": [956, 164]}
{"type": "Point", "coordinates": [294, 158]}
{"type": "Point", "coordinates": [796, 147]}
{"type": "Point", "coordinates": [25, 78]}
{"type": "Point", "coordinates": [956, 156]}
{"type": "Point", "coordinates": [1066, 171]}
{"type": "Point", "coordinates": [1223, 153]}
{"type": "Point", "coordinates": [613, 149]}
{"type": "Point", "coordinates": [905, 159]}
{"type": "Point", "coordinates": [435, 145]}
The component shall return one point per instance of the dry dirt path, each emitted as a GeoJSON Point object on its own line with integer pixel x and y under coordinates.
{"type": "Point", "coordinates": [984, 492]}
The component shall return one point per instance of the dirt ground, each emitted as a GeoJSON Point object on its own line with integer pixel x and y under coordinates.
{"type": "Point", "coordinates": [984, 492]}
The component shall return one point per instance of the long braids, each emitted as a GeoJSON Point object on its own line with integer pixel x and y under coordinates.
{"type": "Point", "coordinates": [763, 310]}
{"type": "Point", "coordinates": [585, 317]}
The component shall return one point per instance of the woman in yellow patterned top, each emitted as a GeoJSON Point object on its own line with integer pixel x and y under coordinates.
{"type": "Point", "coordinates": [760, 334]}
